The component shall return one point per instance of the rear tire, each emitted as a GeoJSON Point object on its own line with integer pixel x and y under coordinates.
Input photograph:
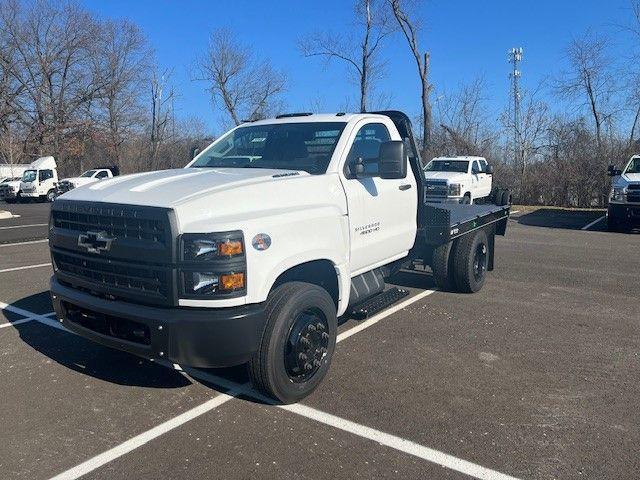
{"type": "Point", "coordinates": [471, 261]}
{"type": "Point", "coordinates": [505, 198]}
{"type": "Point", "coordinates": [442, 266]}
{"type": "Point", "coordinates": [466, 200]}
{"type": "Point", "coordinates": [298, 343]}
{"type": "Point", "coordinates": [51, 196]}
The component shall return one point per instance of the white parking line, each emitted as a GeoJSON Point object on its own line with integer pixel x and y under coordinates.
{"type": "Point", "coordinates": [30, 242]}
{"type": "Point", "coordinates": [587, 227]}
{"type": "Point", "coordinates": [515, 211]}
{"type": "Point", "coordinates": [145, 437]}
{"type": "Point", "coordinates": [25, 226]}
{"type": "Point", "coordinates": [398, 443]}
{"type": "Point", "coordinates": [27, 267]}
{"type": "Point", "coordinates": [21, 320]}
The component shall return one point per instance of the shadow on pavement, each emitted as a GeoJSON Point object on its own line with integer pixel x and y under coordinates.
{"type": "Point", "coordinates": [563, 218]}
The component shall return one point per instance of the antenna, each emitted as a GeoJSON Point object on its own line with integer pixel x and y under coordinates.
{"type": "Point", "coordinates": [515, 57]}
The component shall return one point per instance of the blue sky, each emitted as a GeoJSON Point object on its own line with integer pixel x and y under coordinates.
{"type": "Point", "coordinates": [466, 38]}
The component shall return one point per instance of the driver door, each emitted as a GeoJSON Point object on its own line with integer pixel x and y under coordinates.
{"type": "Point", "coordinates": [382, 212]}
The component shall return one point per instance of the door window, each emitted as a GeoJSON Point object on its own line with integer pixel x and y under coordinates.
{"type": "Point", "coordinates": [45, 175]}
{"type": "Point", "coordinates": [483, 165]}
{"type": "Point", "coordinates": [366, 146]}
{"type": "Point", "coordinates": [475, 168]}
{"type": "Point", "coordinates": [102, 174]}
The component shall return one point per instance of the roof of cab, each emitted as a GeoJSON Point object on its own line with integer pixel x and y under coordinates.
{"type": "Point", "coordinates": [316, 117]}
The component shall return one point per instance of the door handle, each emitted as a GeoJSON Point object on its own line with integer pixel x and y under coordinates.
{"type": "Point", "coordinates": [404, 187]}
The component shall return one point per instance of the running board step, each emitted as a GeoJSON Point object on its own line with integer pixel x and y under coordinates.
{"type": "Point", "coordinates": [377, 303]}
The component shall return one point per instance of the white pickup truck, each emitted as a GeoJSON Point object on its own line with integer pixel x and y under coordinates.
{"type": "Point", "coordinates": [86, 178]}
{"type": "Point", "coordinates": [624, 201]}
{"type": "Point", "coordinates": [252, 252]}
{"type": "Point", "coordinates": [462, 179]}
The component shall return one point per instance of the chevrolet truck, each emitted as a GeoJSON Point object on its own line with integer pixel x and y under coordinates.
{"type": "Point", "coordinates": [252, 252]}
{"type": "Point", "coordinates": [623, 212]}
{"type": "Point", "coordinates": [462, 179]}
{"type": "Point", "coordinates": [90, 176]}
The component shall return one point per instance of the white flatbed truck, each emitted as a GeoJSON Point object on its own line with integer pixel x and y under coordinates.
{"type": "Point", "coordinates": [252, 252]}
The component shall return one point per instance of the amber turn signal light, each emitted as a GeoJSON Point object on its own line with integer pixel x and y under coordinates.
{"type": "Point", "coordinates": [232, 281]}
{"type": "Point", "coordinates": [230, 248]}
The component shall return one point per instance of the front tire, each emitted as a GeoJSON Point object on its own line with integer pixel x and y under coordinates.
{"type": "Point", "coordinates": [298, 343]}
{"type": "Point", "coordinates": [51, 196]}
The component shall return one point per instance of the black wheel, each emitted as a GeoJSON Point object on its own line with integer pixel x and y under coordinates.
{"type": "Point", "coordinates": [51, 195]}
{"type": "Point", "coordinates": [466, 200]}
{"type": "Point", "coordinates": [471, 260]}
{"type": "Point", "coordinates": [505, 198]}
{"type": "Point", "coordinates": [297, 344]}
{"type": "Point", "coordinates": [496, 195]}
{"type": "Point", "coordinates": [442, 266]}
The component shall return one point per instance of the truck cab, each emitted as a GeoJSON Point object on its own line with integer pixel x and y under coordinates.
{"type": "Point", "coordinates": [251, 252]}
{"type": "Point", "coordinates": [462, 179]}
{"type": "Point", "coordinates": [623, 212]}
{"type": "Point", "coordinates": [38, 181]}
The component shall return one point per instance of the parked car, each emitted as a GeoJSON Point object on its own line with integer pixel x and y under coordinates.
{"type": "Point", "coordinates": [90, 176]}
{"type": "Point", "coordinates": [624, 200]}
{"type": "Point", "coordinates": [10, 189]}
{"type": "Point", "coordinates": [38, 181]}
{"type": "Point", "coordinates": [462, 179]}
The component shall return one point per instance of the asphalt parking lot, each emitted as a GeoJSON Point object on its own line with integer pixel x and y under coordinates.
{"type": "Point", "coordinates": [536, 376]}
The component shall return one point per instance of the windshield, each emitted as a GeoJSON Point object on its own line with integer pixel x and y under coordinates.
{"type": "Point", "coordinates": [29, 175]}
{"type": "Point", "coordinates": [447, 166]}
{"type": "Point", "coordinates": [633, 167]}
{"type": "Point", "coordinates": [88, 173]}
{"type": "Point", "coordinates": [287, 146]}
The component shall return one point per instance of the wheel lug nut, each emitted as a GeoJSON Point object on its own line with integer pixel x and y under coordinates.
{"type": "Point", "coordinates": [320, 326]}
{"type": "Point", "coordinates": [317, 363]}
{"type": "Point", "coordinates": [311, 328]}
{"type": "Point", "coordinates": [305, 341]}
{"type": "Point", "coordinates": [303, 357]}
{"type": "Point", "coordinates": [325, 336]}
{"type": "Point", "coordinates": [307, 366]}
{"type": "Point", "coordinates": [323, 350]}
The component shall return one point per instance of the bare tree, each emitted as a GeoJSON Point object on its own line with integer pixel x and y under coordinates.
{"type": "Point", "coordinates": [374, 21]}
{"type": "Point", "coordinates": [410, 28]}
{"type": "Point", "coordinates": [246, 87]}
{"type": "Point", "coordinates": [123, 61]}
{"type": "Point", "coordinates": [590, 81]}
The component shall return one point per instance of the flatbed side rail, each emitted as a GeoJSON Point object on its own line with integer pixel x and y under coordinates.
{"type": "Point", "coordinates": [445, 223]}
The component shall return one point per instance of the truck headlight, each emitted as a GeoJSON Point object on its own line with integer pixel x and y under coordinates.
{"type": "Point", "coordinates": [212, 265]}
{"type": "Point", "coordinates": [211, 246]}
{"type": "Point", "coordinates": [209, 284]}
{"type": "Point", "coordinates": [617, 194]}
{"type": "Point", "coordinates": [455, 189]}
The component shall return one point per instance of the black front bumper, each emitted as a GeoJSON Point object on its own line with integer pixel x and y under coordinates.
{"type": "Point", "coordinates": [625, 213]}
{"type": "Point", "coordinates": [196, 337]}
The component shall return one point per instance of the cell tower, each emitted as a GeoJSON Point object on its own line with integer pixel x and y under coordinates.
{"type": "Point", "coordinates": [515, 57]}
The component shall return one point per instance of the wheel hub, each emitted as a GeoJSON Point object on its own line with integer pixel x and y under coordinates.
{"type": "Point", "coordinates": [480, 261]}
{"type": "Point", "coordinates": [306, 345]}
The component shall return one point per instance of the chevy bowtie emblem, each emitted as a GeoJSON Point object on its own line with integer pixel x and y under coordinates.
{"type": "Point", "coordinates": [95, 242]}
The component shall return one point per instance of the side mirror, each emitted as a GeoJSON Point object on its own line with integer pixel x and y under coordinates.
{"type": "Point", "coordinates": [194, 152]}
{"type": "Point", "coordinates": [392, 160]}
{"type": "Point", "coordinates": [612, 171]}
{"type": "Point", "coordinates": [489, 170]}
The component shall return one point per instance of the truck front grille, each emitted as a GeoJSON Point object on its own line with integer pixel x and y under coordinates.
{"type": "Point", "coordinates": [633, 193]}
{"type": "Point", "coordinates": [118, 221]}
{"type": "Point", "coordinates": [149, 281]}
{"type": "Point", "coordinates": [135, 265]}
{"type": "Point", "coordinates": [435, 189]}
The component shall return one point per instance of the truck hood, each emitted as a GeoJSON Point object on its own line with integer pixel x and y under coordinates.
{"type": "Point", "coordinates": [171, 188]}
{"type": "Point", "coordinates": [450, 177]}
{"type": "Point", "coordinates": [78, 181]}
{"type": "Point", "coordinates": [208, 199]}
{"type": "Point", "coordinates": [624, 180]}
{"type": "Point", "coordinates": [14, 184]}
